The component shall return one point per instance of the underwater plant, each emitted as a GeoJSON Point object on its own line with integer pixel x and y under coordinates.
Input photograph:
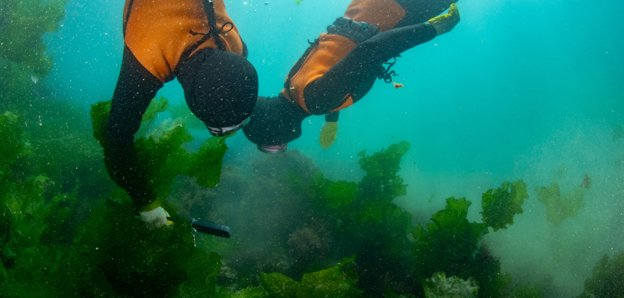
{"type": "Point", "coordinates": [448, 243]}
{"type": "Point", "coordinates": [440, 286]}
{"type": "Point", "coordinates": [13, 146]}
{"type": "Point", "coordinates": [453, 245]}
{"type": "Point", "coordinates": [607, 279]}
{"type": "Point", "coordinates": [298, 221]}
{"type": "Point", "coordinates": [126, 258]}
{"type": "Point", "coordinates": [560, 207]}
{"type": "Point", "coordinates": [372, 227]}
{"type": "Point", "coordinates": [34, 220]}
{"type": "Point", "coordinates": [337, 281]}
{"type": "Point", "coordinates": [57, 243]}
{"type": "Point", "coordinates": [502, 204]}
{"type": "Point", "coordinates": [23, 24]}
{"type": "Point", "coordinates": [54, 127]}
{"type": "Point", "coordinates": [66, 230]}
{"type": "Point", "coordinates": [161, 151]}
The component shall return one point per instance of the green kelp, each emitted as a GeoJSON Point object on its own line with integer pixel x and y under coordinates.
{"type": "Point", "coordinates": [607, 279]}
{"type": "Point", "coordinates": [161, 151]}
{"type": "Point", "coordinates": [449, 243]}
{"type": "Point", "coordinates": [440, 286]}
{"type": "Point", "coordinates": [372, 227]}
{"type": "Point", "coordinates": [23, 57]}
{"type": "Point", "coordinates": [337, 281]}
{"type": "Point", "coordinates": [134, 260]}
{"type": "Point", "coordinates": [382, 182]}
{"type": "Point", "coordinates": [112, 255]}
{"type": "Point", "coordinates": [23, 24]}
{"type": "Point", "coordinates": [561, 207]}
{"type": "Point", "coordinates": [68, 243]}
{"type": "Point", "coordinates": [293, 220]}
{"type": "Point", "coordinates": [501, 204]}
{"type": "Point", "coordinates": [125, 258]}
{"type": "Point", "coordinates": [13, 144]}
{"type": "Point", "coordinates": [453, 245]}
{"type": "Point", "coordinates": [34, 221]}
{"type": "Point", "coordinates": [55, 129]}
{"type": "Point", "coordinates": [298, 221]}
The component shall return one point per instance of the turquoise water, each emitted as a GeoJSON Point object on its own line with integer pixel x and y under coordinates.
{"type": "Point", "coordinates": [520, 89]}
{"type": "Point", "coordinates": [507, 78]}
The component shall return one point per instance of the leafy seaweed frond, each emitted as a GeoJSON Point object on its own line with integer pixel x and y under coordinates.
{"type": "Point", "coordinates": [449, 243]}
{"type": "Point", "coordinates": [337, 281]}
{"type": "Point", "coordinates": [127, 258]}
{"type": "Point", "coordinates": [382, 181]}
{"type": "Point", "coordinates": [560, 207]}
{"type": "Point", "coordinates": [23, 24]}
{"type": "Point", "coordinates": [502, 204]}
{"type": "Point", "coordinates": [161, 151]}
{"type": "Point", "coordinates": [607, 279]}
{"type": "Point", "coordinates": [14, 144]}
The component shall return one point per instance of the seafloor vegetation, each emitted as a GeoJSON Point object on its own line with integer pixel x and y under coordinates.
{"type": "Point", "coordinates": [67, 231]}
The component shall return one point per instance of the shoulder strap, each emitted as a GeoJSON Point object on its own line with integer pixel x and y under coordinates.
{"type": "Point", "coordinates": [127, 16]}
{"type": "Point", "coordinates": [212, 23]}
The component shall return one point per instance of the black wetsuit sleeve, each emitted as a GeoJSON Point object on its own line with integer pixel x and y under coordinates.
{"type": "Point", "coordinates": [356, 73]}
{"type": "Point", "coordinates": [332, 117]}
{"type": "Point", "coordinates": [134, 91]}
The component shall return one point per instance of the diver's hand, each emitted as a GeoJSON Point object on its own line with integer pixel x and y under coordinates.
{"type": "Point", "coordinates": [155, 217]}
{"type": "Point", "coordinates": [328, 134]}
{"type": "Point", "coordinates": [445, 22]}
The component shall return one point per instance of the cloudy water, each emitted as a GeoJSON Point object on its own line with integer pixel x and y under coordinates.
{"type": "Point", "coordinates": [521, 96]}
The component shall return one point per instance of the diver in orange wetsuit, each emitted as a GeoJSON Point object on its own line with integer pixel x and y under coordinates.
{"type": "Point", "coordinates": [195, 41]}
{"type": "Point", "coordinates": [340, 67]}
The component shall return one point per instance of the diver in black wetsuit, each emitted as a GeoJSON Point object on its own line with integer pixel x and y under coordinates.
{"type": "Point", "coordinates": [195, 41]}
{"type": "Point", "coordinates": [340, 67]}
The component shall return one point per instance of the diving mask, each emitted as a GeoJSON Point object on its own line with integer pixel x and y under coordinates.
{"type": "Point", "coordinates": [273, 148]}
{"type": "Point", "coordinates": [226, 131]}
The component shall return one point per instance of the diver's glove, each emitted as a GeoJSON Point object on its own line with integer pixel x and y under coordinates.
{"type": "Point", "coordinates": [328, 134]}
{"type": "Point", "coordinates": [155, 216]}
{"type": "Point", "coordinates": [445, 22]}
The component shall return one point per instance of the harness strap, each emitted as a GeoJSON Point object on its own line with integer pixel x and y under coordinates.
{"type": "Point", "coordinates": [356, 31]}
{"type": "Point", "coordinates": [212, 23]}
{"type": "Point", "coordinates": [127, 16]}
{"type": "Point", "coordinates": [387, 73]}
{"type": "Point", "coordinates": [213, 31]}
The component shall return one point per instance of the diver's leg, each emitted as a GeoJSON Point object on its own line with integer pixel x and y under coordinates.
{"type": "Point", "coordinates": [355, 74]}
{"type": "Point", "coordinates": [419, 11]}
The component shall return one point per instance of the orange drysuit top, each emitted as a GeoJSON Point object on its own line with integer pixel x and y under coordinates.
{"type": "Point", "coordinates": [160, 32]}
{"type": "Point", "coordinates": [331, 48]}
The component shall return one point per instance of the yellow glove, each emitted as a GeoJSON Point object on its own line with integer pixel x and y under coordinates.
{"type": "Point", "coordinates": [445, 22]}
{"type": "Point", "coordinates": [328, 134]}
{"type": "Point", "coordinates": [155, 216]}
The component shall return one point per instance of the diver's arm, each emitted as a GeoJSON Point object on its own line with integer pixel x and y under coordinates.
{"type": "Point", "coordinates": [332, 117]}
{"type": "Point", "coordinates": [329, 131]}
{"type": "Point", "coordinates": [134, 90]}
{"type": "Point", "coordinates": [362, 65]}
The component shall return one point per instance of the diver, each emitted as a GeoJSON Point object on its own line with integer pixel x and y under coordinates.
{"type": "Point", "coordinates": [196, 42]}
{"type": "Point", "coordinates": [341, 66]}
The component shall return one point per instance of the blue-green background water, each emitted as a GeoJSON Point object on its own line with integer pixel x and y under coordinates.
{"type": "Point", "coordinates": [519, 89]}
